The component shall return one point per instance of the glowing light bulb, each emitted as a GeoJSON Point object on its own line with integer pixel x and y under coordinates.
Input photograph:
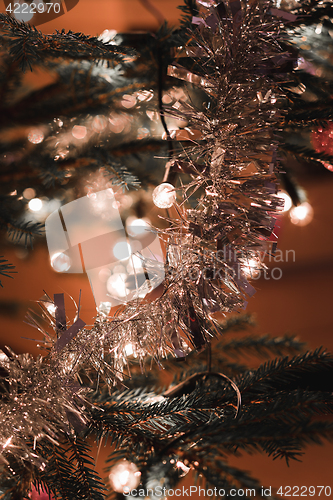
{"type": "Point", "coordinates": [60, 262]}
{"type": "Point", "coordinates": [250, 268]}
{"type": "Point", "coordinates": [35, 204]}
{"type": "Point", "coordinates": [51, 309]}
{"type": "Point", "coordinates": [301, 215]}
{"type": "Point", "coordinates": [124, 477]}
{"type": "Point", "coordinates": [287, 201]}
{"type": "Point", "coordinates": [128, 349]}
{"type": "Point", "coordinates": [164, 195]}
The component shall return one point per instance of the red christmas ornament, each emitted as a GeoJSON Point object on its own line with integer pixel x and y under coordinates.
{"type": "Point", "coordinates": [322, 140]}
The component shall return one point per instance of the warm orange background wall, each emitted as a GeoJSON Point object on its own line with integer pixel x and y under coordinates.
{"type": "Point", "coordinates": [299, 303]}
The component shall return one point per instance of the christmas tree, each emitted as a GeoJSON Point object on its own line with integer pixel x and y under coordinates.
{"type": "Point", "coordinates": [151, 163]}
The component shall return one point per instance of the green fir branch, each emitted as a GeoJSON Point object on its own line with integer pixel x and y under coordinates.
{"type": "Point", "coordinates": [287, 373]}
{"type": "Point", "coordinates": [90, 485]}
{"type": "Point", "coordinates": [311, 12]}
{"type": "Point", "coordinates": [59, 473]}
{"type": "Point", "coordinates": [6, 269]}
{"type": "Point", "coordinates": [271, 426]}
{"type": "Point", "coordinates": [316, 113]}
{"type": "Point", "coordinates": [119, 175]}
{"type": "Point", "coordinates": [26, 231]}
{"type": "Point", "coordinates": [263, 345]}
{"type": "Point", "coordinates": [220, 475]}
{"type": "Point", "coordinates": [189, 10]}
{"type": "Point", "coordinates": [237, 323]}
{"type": "Point", "coordinates": [28, 45]}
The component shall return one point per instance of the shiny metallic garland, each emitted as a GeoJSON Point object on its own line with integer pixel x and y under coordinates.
{"type": "Point", "coordinates": [231, 164]}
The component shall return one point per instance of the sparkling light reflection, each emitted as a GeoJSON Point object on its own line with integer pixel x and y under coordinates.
{"type": "Point", "coordinates": [128, 349]}
{"type": "Point", "coordinates": [251, 268]}
{"type": "Point", "coordinates": [164, 195]}
{"type": "Point", "coordinates": [301, 215]}
{"type": "Point", "coordinates": [287, 201]}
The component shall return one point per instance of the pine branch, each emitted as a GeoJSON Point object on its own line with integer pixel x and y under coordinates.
{"type": "Point", "coordinates": [194, 406]}
{"type": "Point", "coordinates": [10, 79]}
{"type": "Point", "coordinates": [263, 345]}
{"type": "Point", "coordinates": [59, 473]}
{"type": "Point", "coordinates": [279, 374]}
{"type": "Point", "coordinates": [311, 11]}
{"type": "Point", "coordinates": [6, 269]}
{"type": "Point", "coordinates": [116, 172]}
{"type": "Point", "coordinates": [49, 171]}
{"type": "Point", "coordinates": [237, 323]}
{"type": "Point", "coordinates": [189, 10]}
{"type": "Point", "coordinates": [26, 231]}
{"type": "Point", "coordinates": [279, 426]}
{"type": "Point", "coordinates": [17, 229]}
{"type": "Point", "coordinates": [27, 45]}
{"type": "Point", "coordinates": [113, 170]}
{"type": "Point", "coordinates": [91, 487]}
{"type": "Point", "coordinates": [68, 473]}
{"type": "Point", "coordinates": [78, 93]}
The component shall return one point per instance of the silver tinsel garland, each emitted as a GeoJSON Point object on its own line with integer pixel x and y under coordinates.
{"type": "Point", "coordinates": [237, 52]}
{"type": "Point", "coordinates": [238, 62]}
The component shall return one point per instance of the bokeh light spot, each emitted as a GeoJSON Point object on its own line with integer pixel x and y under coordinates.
{"type": "Point", "coordinates": [79, 132]}
{"type": "Point", "coordinates": [35, 136]}
{"type": "Point", "coordinates": [35, 204]}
